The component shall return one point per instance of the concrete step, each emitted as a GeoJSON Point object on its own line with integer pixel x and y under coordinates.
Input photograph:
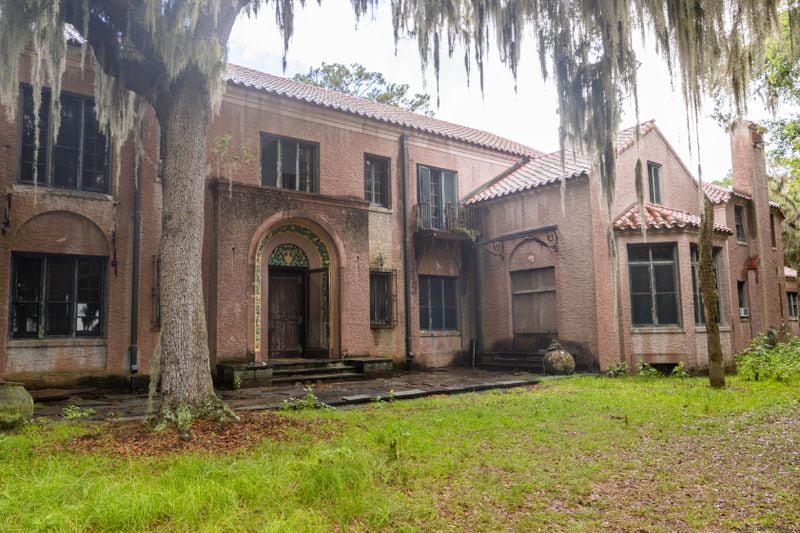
{"type": "Point", "coordinates": [278, 371]}
{"type": "Point", "coordinates": [529, 361]}
{"type": "Point", "coordinates": [310, 378]}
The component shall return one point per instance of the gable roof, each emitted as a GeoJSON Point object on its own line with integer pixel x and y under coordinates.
{"type": "Point", "coordinates": [718, 194]}
{"type": "Point", "coordinates": [658, 217]}
{"type": "Point", "coordinates": [547, 169]}
{"type": "Point", "coordinates": [303, 92]}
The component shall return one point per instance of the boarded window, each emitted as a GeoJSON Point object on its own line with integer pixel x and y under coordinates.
{"type": "Point", "coordinates": [653, 283]}
{"type": "Point", "coordinates": [533, 295]}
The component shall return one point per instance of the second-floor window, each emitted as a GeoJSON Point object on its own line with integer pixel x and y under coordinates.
{"type": "Point", "coordinates": [437, 189]}
{"type": "Point", "coordinates": [791, 298]}
{"type": "Point", "coordinates": [654, 180]}
{"type": "Point", "coordinates": [654, 288]}
{"type": "Point", "coordinates": [738, 217]}
{"type": "Point", "coordinates": [289, 163]}
{"type": "Point", "coordinates": [376, 180]}
{"type": "Point", "coordinates": [75, 157]}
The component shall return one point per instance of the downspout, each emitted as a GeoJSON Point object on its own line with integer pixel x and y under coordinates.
{"type": "Point", "coordinates": [137, 222]}
{"type": "Point", "coordinates": [406, 273]}
{"type": "Point", "coordinates": [478, 345]}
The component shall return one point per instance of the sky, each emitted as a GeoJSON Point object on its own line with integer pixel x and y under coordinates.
{"type": "Point", "coordinates": [329, 33]}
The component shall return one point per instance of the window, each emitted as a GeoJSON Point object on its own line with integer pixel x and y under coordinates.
{"type": "Point", "coordinates": [57, 296]}
{"type": "Point", "coordinates": [75, 158]}
{"type": "Point", "coordinates": [699, 309]}
{"type": "Point", "coordinates": [654, 179]}
{"type": "Point", "coordinates": [741, 292]}
{"type": "Point", "coordinates": [738, 216]}
{"type": "Point", "coordinates": [772, 236]}
{"type": "Point", "coordinates": [289, 163]}
{"type": "Point", "coordinates": [381, 298]}
{"type": "Point", "coordinates": [376, 180]}
{"type": "Point", "coordinates": [436, 191]}
{"type": "Point", "coordinates": [533, 295]}
{"type": "Point", "coordinates": [438, 303]}
{"type": "Point", "coordinates": [791, 298]}
{"type": "Point", "coordinates": [654, 291]}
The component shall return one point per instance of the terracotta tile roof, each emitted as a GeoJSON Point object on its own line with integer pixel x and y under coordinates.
{"type": "Point", "coordinates": [547, 169]}
{"type": "Point", "coordinates": [719, 194]}
{"type": "Point", "coordinates": [303, 92]}
{"type": "Point", "coordinates": [531, 174]}
{"type": "Point", "coordinates": [789, 273]}
{"type": "Point", "coordinates": [660, 217]}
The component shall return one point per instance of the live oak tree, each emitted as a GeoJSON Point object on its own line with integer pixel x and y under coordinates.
{"type": "Point", "coordinates": [171, 54]}
{"type": "Point", "coordinates": [356, 80]}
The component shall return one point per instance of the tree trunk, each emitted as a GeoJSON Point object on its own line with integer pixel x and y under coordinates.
{"type": "Point", "coordinates": [708, 289]}
{"type": "Point", "coordinates": [187, 391]}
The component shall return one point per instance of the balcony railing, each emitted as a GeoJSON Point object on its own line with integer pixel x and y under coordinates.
{"type": "Point", "coordinates": [452, 218]}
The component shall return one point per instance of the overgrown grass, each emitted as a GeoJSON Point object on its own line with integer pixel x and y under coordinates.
{"type": "Point", "coordinates": [577, 453]}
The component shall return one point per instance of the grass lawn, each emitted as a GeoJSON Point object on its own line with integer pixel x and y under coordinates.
{"type": "Point", "coordinates": [578, 453]}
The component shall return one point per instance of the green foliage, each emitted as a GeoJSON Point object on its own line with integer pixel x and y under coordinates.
{"type": "Point", "coordinates": [679, 371]}
{"type": "Point", "coordinates": [237, 382]}
{"type": "Point", "coordinates": [309, 401]}
{"type": "Point", "coordinates": [617, 370]}
{"type": "Point", "coordinates": [770, 358]}
{"type": "Point", "coordinates": [646, 370]}
{"type": "Point", "coordinates": [357, 81]}
{"type": "Point", "coordinates": [75, 412]}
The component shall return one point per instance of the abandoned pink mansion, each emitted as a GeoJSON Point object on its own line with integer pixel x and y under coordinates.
{"type": "Point", "coordinates": [361, 230]}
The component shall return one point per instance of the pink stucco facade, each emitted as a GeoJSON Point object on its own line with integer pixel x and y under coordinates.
{"type": "Point", "coordinates": [332, 239]}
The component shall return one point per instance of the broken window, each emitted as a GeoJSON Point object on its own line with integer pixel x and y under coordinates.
{"type": "Point", "coordinates": [437, 190]}
{"type": "Point", "coordinates": [438, 303]}
{"type": "Point", "coordinates": [376, 180]}
{"type": "Point", "coordinates": [74, 158]}
{"type": "Point", "coordinates": [289, 163]}
{"type": "Point", "coordinates": [533, 294]}
{"type": "Point", "coordinates": [57, 296]}
{"type": "Point", "coordinates": [654, 180]}
{"type": "Point", "coordinates": [382, 292]}
{"type": "Point", "coordinates": [738, 216]}
{"type": "Point", "coordinates": [654, 290]}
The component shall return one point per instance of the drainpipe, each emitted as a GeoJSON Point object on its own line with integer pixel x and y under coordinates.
{"type": "Point", "coordinates": [137, 222]}
{"type": "Point", "coordinates": [477, 346]}
{"type": "Point", "coordinates": [406, 272]}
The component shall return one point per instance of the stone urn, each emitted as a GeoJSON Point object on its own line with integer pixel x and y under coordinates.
{"type": "Point", "coordinates": [16, 405]}
{"type": "Point", "coordinates": [557, 360]}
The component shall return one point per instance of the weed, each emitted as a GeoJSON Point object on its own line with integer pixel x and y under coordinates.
{"type": "Point", "coordinates": [770, 359]}
{"type": "Point", "coordinates": [237, 382]}
{"type": "Point", "coordinates": [306, 402]}
{"type": "Point", "coordinates": [679, 370]}
{"type": "Point", "coordinates": [646, 370]}
{"type": "Point", "coordinates": [617, 370]}
{"type": "Point", "coordinates": [75, 412]}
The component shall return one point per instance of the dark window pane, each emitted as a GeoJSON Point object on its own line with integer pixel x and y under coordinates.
{"type": "Point", "coordinates": [59, 285]}
{"type": "Point", "coordinates": [662, 253]}
{"type": "Point", "coordinates": [450, 292]}
{"type": "Point", "coordinates": [380, 298]}
{"type": "Point", "coordinates": [269, 161]}
{"type": "Point", "coordinates": [289, 164]}
{"type": "Point", "coordinates": [66, 150]}
{"type": "Point", "coordinates": [26, 320]}
{"type": "Point", "coordinates": [95, 153]}
{"type": "Point", "coordinates": [306, 167]}
{"type": "Point", "coordinates": [665, 279]}
{"type": "Point", "coordinates": [26, 297]}
{"type": "Point", "coordinates": [89, 303]}
{"type": "Point", "coordinates": [436, 199]}
{"type": "Point", "coordinates": [640, 309]}
{"type": "Point", "coordinates": [667, 309]}
{"type": "Point", "coordinates": [638, 253]}
{"type": "Point", "coordinates": [640, 278]}
{"type": "Point", "coordinates": [28, 140]}
{"type": "Point", "coordinates": [58, 319]}
{"type": "Point", "coordinates": [451, 318]}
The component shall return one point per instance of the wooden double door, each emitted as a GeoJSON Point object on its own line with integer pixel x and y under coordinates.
{"type": "Point", "coordinates": [295, 314]}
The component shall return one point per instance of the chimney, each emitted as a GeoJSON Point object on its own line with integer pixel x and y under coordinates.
{"type": "Point", "coordinates": [747, 157]}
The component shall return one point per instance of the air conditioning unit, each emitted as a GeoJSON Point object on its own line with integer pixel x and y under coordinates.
{"type": "Point", "coordinates": [744, 312]}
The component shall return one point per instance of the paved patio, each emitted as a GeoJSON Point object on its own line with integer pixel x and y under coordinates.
{"type": "Point", "coordinates": [131, 406]}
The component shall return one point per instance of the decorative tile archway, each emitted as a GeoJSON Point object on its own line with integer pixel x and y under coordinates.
{"type": "Point", "coordinates": [287, 254]}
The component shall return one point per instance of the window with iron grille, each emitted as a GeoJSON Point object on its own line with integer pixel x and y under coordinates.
{"type": "Point", "coordinates": [75, 157]}
{"type": "Point", "coordinates": [437, 189]}
{"type": "Point", "coordinates": [653, 283]}
{"type": "Point", "coordinates": [382, 298]}
{"type": "Point", "coordinates": [738, 216]}
{"type": "Point", "coordinates": [57, 296]}
{"type": "Point", "coordinates": [376, 180]}
{"type": "Point", "coordinates": [289, 163]}
{"type": "Point", "coordinates": [438, 303]}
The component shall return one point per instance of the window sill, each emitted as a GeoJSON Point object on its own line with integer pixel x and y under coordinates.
{"type": "Point", "coordinates": [702, 329]}
{"type": "Point", "coordinates": [54, 343]}
{"type": "Point", "coordinates": [449, 333]}
{"type": "Point", "coordinates": [55, 191]}
{"type": "Point", "coordinates": [792, 319]}
{"type": "Point", "coordinates": [380, 209]}
{"type": "Point", "coordinates": [743, 243]}
{"type": "Point", "coordinates": [382, 326]}
{"type": "Point", "coordinates": [657, 329]}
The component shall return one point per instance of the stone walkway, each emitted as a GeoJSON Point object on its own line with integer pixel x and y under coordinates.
{"type": "Point", "coordinates": [131, 406]}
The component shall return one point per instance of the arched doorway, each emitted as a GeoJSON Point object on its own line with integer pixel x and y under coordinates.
{"type": "Point", "coordinates": [292, 315]}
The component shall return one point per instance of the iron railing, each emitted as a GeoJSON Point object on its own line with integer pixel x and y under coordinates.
{"type": "Point", "coordinates": [452, 217]}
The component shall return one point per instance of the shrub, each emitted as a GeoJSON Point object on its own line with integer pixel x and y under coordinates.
{"type": "Point", "coordinates": [617, 370]}
{"type": "Point", "coordinates": [679, 371]}
{"type": "Point", "coordinates": [646, 370]}
{"type": "Point", "coordinates": [770, 358]}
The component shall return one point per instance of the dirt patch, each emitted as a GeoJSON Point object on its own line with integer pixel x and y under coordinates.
{"type": "Point", "coordinates": [134, 439]}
